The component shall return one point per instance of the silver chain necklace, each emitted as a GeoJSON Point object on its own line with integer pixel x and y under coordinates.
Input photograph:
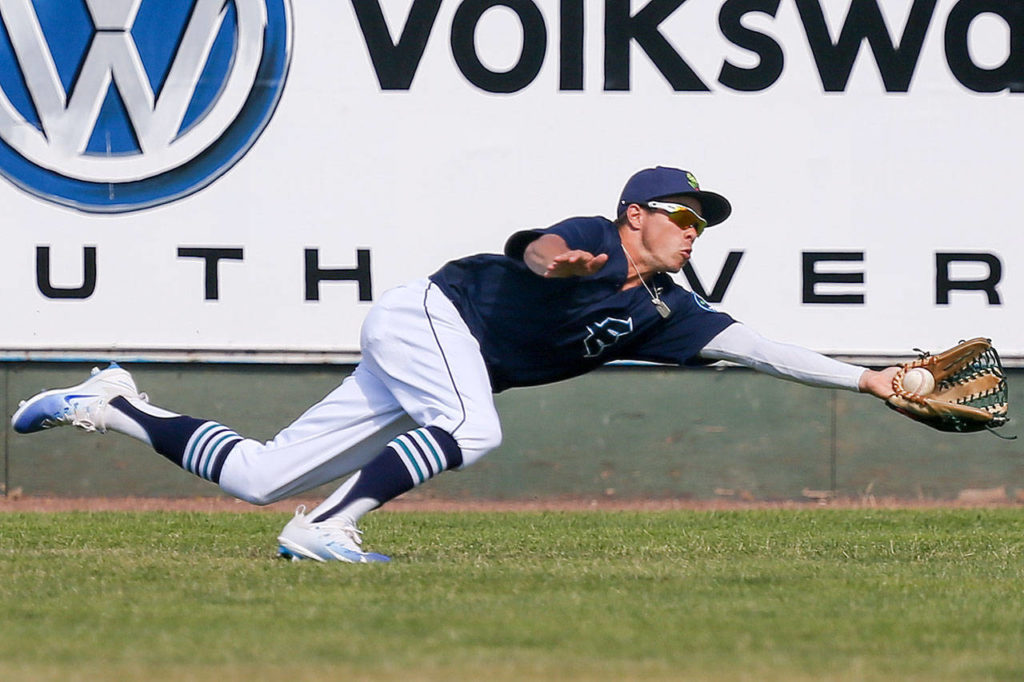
{"type": "Point", "coordinates": [659, 304]}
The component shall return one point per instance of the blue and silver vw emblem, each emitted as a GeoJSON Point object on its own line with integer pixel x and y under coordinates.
{"type": "Point", "coordinates": [109, 106]}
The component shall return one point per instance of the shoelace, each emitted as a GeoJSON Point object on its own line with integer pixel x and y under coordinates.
{"type": "Point", "coordinates": [90, 417]}
{"type": "Point", "coordinates": [335, 523]}
{"type": "Point", "coordinates": [84, 417]}
{"type": "Point", "coordinates": [88, 420]}
{"type": "Point", "coordinates": [87, 417]}
{"type": "Point", "coordinates": [345, 526]}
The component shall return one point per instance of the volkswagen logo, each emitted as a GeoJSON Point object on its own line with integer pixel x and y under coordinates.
{"type": "Point", "coordinates": [110, 106]}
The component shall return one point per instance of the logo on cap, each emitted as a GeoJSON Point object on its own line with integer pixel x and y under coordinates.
{"type": "Point", "coordinates": [110, 106]}
{"type": "Point", "coordinates": [692, 180]}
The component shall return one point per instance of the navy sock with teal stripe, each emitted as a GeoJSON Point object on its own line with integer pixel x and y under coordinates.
{"type": "Point", "coordinates": [196, 445]}
{"type": "Point", "coordinates": [407, 461]}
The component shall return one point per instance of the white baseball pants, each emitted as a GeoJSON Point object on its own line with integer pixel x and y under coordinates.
{"type": "Point", "coordinates": [421, 366]}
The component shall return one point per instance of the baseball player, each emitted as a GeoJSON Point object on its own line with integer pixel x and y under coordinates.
{"type": "Point", "coordinates": [558, 303]}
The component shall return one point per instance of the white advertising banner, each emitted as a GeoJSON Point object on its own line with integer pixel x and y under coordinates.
{"type": "Point", "coordinates": [243, 179]}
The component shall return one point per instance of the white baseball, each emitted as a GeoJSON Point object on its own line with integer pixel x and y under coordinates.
{"type": "Point", "coordinates": [919, 380]}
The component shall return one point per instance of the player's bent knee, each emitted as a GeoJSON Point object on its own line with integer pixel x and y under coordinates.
{"type": "Point", "coordinates": [475, 446]}
{"type": "Point", "coordinates": [248, 489]}
{"type": "Point", "coordinates": [254, 496]}
{"type": "Point", "coordinates": [493, 441]}
{"type": "Point", "coordinates": [259, 498]}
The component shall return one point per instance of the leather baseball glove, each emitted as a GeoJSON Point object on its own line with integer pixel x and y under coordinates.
{"type": "Point", "coordinates": [968, 393]}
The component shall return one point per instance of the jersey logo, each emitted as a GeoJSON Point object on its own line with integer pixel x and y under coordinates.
{"type": "Point", "coordinates": [604, 334]}
{"type": "Point", "coordinates": [699, 300]}
{"type": "Point", "coordinates": [111, 106]}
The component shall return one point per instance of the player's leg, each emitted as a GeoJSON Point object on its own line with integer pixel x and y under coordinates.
{"type": "Point", "coordinates": [421, 362]}
{"type": "Point", "coordinates": [420, 403]}
{"type": "Point", "coordinates": [418, 345]}
{"type": "Point", "coordinates": [333, 438]}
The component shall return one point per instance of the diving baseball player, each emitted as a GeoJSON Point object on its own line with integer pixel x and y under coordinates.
{"type": "Point", "coordinates": [558, 303]}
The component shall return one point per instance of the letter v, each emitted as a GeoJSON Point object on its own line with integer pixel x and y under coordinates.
{"type": "Point", "coordinates": [396, 63]}
{"type": "Point", "coordinates": [732, 262]}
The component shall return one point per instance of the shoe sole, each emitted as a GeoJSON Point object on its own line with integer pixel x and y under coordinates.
{"type": "Point", "coordinates": [291, 551]}
{"type": "Point", "coordinates": [295, 552]}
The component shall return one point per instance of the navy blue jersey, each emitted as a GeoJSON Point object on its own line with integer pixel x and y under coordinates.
{"type": "Point", "coordinates": [535, 330]}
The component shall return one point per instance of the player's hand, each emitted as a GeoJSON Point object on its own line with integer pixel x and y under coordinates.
{"type": "Point", "coordinates": [878, 384]}
{"type": "Point", "coordinates": [575, 264]}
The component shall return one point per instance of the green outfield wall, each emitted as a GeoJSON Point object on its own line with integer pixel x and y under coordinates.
{"type": "Point", "coordinates": [619, 433]}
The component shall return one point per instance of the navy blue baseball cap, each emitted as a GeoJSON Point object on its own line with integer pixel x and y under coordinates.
{"type": "Point", "coordinates": [661, 182]}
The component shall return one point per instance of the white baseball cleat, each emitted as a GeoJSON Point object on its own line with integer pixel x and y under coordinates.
{"type": "Point", "coordinates": [82, 405]}
{"type": "Point", "coordinates": [333, 539]}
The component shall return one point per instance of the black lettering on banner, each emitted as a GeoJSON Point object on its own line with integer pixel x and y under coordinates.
{"type": "Point", "coordinates": [47, 289]}
{"type": "Point", "coordinates": [621, 29]}
{"type": "Point", "coordinates": [1007, 76]}
{"type": "Point", "coordinates": [811, 276]}
{"type": "Point", "coordinates": [771, 61]}
{"type": "Point", "coordinates": [396, 63]}
{"type": "Point", "coordinates": [531, 57]}
{"type": "Point", "coordinates": [212, 256]}
{"type": "Point", "coordinates": [360, 274]}
{"type": "Point", "coordinates": [945, 284]}
{"type": "Point", "coordinates": [864, 21]}
{"type": "Point", "coordinates": [570, 46]}
{"type": "Point", "coordinates": [732, 261]}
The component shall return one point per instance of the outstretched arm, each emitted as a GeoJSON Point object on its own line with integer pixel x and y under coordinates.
{"type": "Point", "coordinates": [550, 256]}
{"type": "Point", "coordinates": [742, 345]}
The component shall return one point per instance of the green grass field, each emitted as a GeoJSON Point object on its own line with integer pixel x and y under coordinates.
{"type": "Point", "coordinates": [744, 595]}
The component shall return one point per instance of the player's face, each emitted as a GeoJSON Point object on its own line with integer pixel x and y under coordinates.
{"type": "Point", "coordinates": [668, 246]}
